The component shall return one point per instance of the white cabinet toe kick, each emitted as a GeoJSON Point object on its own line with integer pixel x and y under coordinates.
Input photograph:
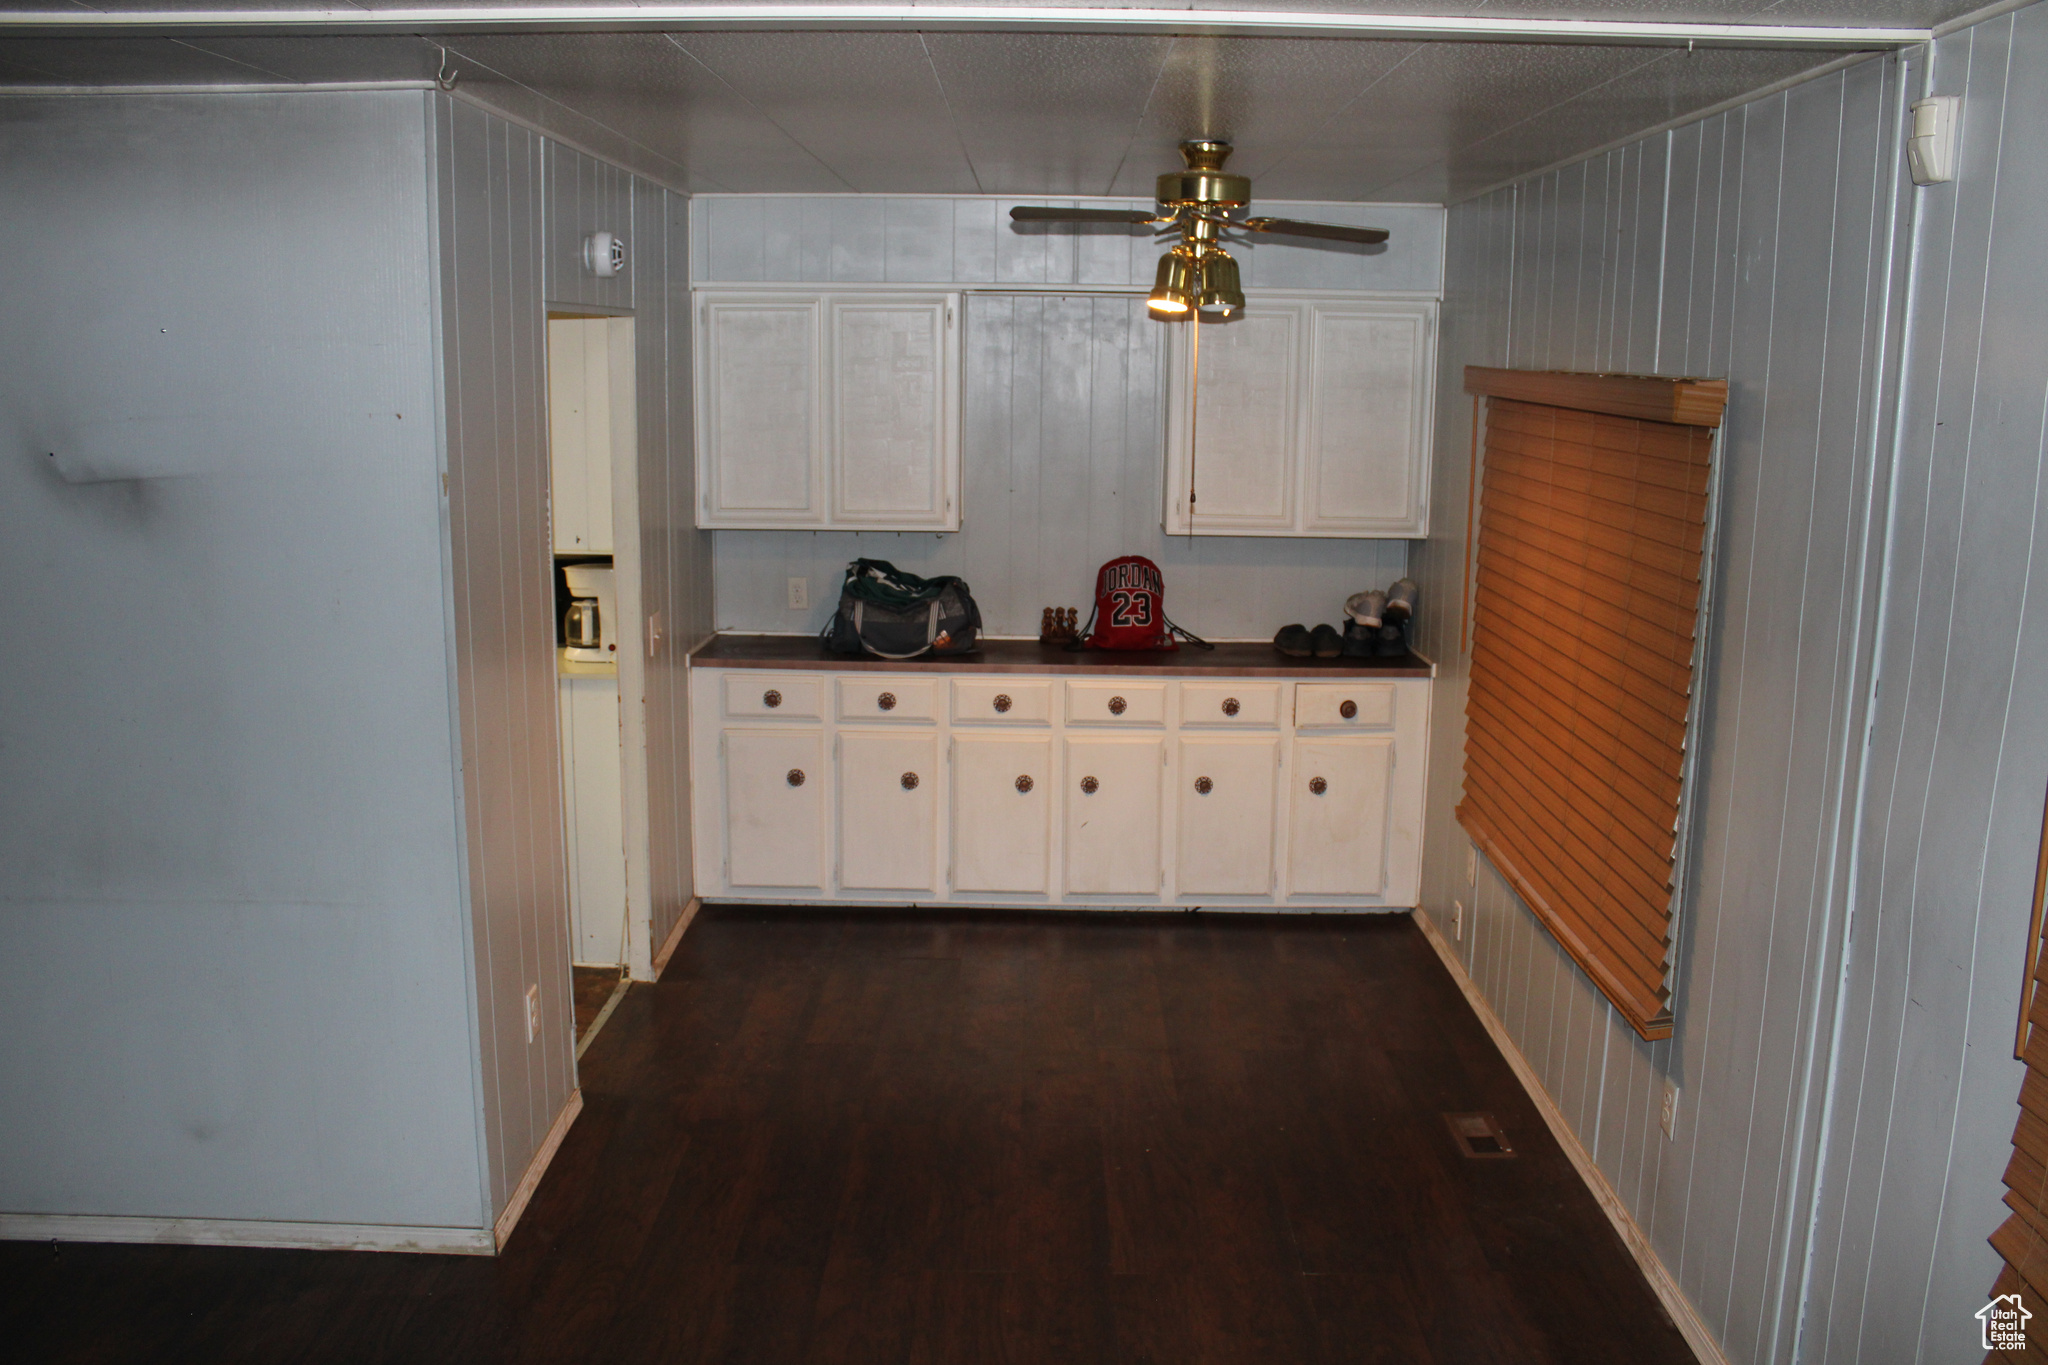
{"type": "Point", "coordinates": [1045, 791]}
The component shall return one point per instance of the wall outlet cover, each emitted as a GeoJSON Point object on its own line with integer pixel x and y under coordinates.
{"type": "Point", "coordinates": [1458, 920]}
{"type": "Point", "coordinates": [799, 594]}
{"type": "Point", "coordinates": [532, 1013]}
{"type": "Point", "coordinates": [1471, 866]}
{"type": "Point", "coordinates": [1668, 1119]}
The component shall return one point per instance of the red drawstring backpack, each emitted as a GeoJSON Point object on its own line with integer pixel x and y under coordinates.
{"type": "Point", "coordinates": [1130, 609]}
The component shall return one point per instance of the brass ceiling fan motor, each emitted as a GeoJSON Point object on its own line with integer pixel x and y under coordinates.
{"type": "Point", "coordinates": [1198, 276]}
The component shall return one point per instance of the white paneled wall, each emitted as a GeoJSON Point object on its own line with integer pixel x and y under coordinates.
{"type": "Point", "coordinates": [1063, 459]}
{"type": "Point", "coordinates": [1927, 1084]}
{"type": "Point", "coordinates": [1752, 245]}
{"type": "Point", "coordinates": [513, 213]}
{"type": "Point", "coordinates": [969, 240]}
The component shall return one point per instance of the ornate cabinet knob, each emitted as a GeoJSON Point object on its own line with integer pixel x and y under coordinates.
{"type": "Point", "coordinates": [1349, 709]}
{"type": "Point", "coordinates": [887, 701]}
{"type": "Point", "coordinates": [1230, 706]}
{"type": "Point", "coordinates": [1024, 782]}
{"type": "Point", "coordinates": [910, 782]}
{"type": "Point", "coordinates": [1089, 785]}
{"type": "Point", "coordinates": [1317, 786]}
{"type": "Point", "coordinates": [1002, 702]}
{"type": "Point", "coordinates": [1117, 705]}
{"type": "Point", "coordinates": [771, 699]}
{"type": "Point", "coordinates": [1204, 785]}
{"type": "Point", "coordinates": [796, 777]}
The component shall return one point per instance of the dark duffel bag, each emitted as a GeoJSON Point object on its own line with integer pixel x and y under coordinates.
{"type": "Point", "coordinates": [895, 615]}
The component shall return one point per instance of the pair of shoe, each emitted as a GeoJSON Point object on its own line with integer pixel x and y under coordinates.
{"type": "Point", "coordinates": [1374, 608]}
{"type": "Point", "coordinates": [1299, 642]}
{"type": "Point", "coordinates": [1387, 640]}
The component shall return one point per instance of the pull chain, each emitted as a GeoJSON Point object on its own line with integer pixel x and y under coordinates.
{"type": "Point", "coordinates": [1194, 415]}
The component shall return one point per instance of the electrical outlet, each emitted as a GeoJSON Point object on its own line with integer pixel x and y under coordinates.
{"type": "Point", "coordinates": [1458, 920]}
{"type": "Point", "coordinates": [532, 1013]}
{"type": "Point", "coordinates": [1669, 1118]}
{"type": "Point", "coordinates": [799, 594]}
{"type": "Point", "coordinates": [654, 635]}
{"type": "Point", "coordinates": [1471, 866]}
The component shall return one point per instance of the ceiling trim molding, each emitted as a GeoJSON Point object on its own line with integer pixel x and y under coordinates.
{"type": "Point", "coordinates": [937, 18]}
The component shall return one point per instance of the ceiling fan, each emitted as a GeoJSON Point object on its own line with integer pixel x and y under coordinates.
{"type": "Point", "coordinates": [1198, 276]}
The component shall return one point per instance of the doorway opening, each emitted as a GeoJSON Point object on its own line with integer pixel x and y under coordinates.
{"type": "Point", "coordinates": [594, 528]}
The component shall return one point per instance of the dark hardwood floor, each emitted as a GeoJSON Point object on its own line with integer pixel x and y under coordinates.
{"type": "Point", "coordinates": [946, 1140]}
{"type": "Point", "coordinates": [594, 986]}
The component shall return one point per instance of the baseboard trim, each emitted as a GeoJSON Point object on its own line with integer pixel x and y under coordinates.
{"type": "Point", "coordinates": [1683, 1315]}
{"type": "Point", "coordinates": [675, 936]}
{"type": "Point", "coordinates": [536, 1168]}
{"type": "Point", "coordinates": [245, 1232]}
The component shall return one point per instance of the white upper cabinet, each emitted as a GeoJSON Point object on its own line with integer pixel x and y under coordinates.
{"type": "Point", "coordinates": [1310, 418]}
{"type": "Point", "coordinates": [821, 411]}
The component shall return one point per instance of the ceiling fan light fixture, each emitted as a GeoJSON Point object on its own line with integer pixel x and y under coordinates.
{"type": "Point", "coordinates": [1221, 296]}
{"type": "Point", "coordinates": [1174, 288]}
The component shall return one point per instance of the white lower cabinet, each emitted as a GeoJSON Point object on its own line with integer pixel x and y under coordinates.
{"type": "Point", "coordinates": [1226, 817]}
{"type": "Point", "coordinates": [888, 811]}
{"type": "Point", "coordinates": [1337, 812]}
{"type": "Point", "coordinates": [1112, 815]}
{"type": "Point", "coordinates": [1002, 814]}
{"type": "Point", "coordinates": [879, 786]}
{"type": "Point", "coordinates": [774, 811]}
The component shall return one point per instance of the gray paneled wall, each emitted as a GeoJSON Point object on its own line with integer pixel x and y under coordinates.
{"type": "Point", "coordinates": [1062, 464]}
{"type": "Point", "coordinates": [495, 345]}
{"type": "Point", "coordinates": [514, 212]}
{"type": "Point", "coordinates": [1756, 245]}
{"type": "Point", "coordinates": [1959, 755]}
{"type": "Point", "coordinates": [232, 928]}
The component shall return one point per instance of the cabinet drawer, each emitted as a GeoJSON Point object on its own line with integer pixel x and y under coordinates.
{"type": "Point", "coordinates": [999, 701]}
{"type": "Point", "coordinates": [869, 697]}
{"type": "Point", "coordinates": [1233, 704]}
{"type": "Point", "coordinates": [1109, 703]}
{"type": "Point", "coordinates": [1352, 706]}
{"type": "Point", "coordinates": [786, 696]}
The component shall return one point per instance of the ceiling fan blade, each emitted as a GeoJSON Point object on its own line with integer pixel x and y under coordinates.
{"type": "Point", "coordinates": [1334, 232]}
{"type": "Point", "coordinates": [1131, 217]}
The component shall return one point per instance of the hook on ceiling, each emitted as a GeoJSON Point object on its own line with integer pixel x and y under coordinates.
{"type": "Point", "coordinates": [444, 77]}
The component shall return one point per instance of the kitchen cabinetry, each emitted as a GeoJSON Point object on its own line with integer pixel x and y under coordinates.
{"type": "Point", "coordinates": [1311, 417]}
{"type": "Point", "coordinates": [828, 411]}
{"type": "Point", "coordinates": [948, 785]}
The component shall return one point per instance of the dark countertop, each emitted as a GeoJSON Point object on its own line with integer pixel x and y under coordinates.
{"type": "Point", "coordinates": [1258, 660]}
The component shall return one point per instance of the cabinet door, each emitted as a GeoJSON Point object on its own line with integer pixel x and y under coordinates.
{"type": "Point", "coordinates": [1226, 816]}
{"type": "Point", "coordinates": [1002, 814]}
{"type": "Point", "coordinates": [1112, 815]}
{"type": "Point", "coordinates": [895, 369]}
{"type": "Point", "coordinates": [1237, 461]}
{"type": "Point", "coordinates": [760, 452]}
{"type": "Point", "coordinates": [888, 811]}
{"type": "Point", "coordinates": [774, 809]}
{"type": "Point", "coordinates": [1337, 816]}
{"type": "Point", "coordinates": [1366, 453]}
{"type": "Point", "coordinates": [580, 404]}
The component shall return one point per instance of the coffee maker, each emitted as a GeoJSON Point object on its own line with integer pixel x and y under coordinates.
{"type": "Point", "coordinates": [590, 627]}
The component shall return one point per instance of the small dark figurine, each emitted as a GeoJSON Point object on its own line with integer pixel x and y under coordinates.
{"type": "Point", "coordinates": [1056, 625]}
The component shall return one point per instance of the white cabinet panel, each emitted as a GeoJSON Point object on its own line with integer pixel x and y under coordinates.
{"type": "Point", "coordinates": [1002, 701]}
{"type": "Point", "coordinates": [594, 814]}
{"type": "Point", "coordinates": [1226, 816]}
{"type": "Point", "coordinates": [580, 436]}
{"type": "Point", "coordinates": [1351, 706]}
{"type": "Point", "coordinates": [1366, 412]}
{"type": "Point", "coordinates": [888, 810]}
{"type": "Point", "coordinates": [1245, 419]}
{"type": "Point", "coordinates": [1234, 705]}
{"type": "Point", "coordinates": [1116, 703]}
{"type": "Point", "coordinates": [894, 376]}
{"type": "Point", "coordinates": [877, 696]}
{"type": "Point", "coordinates": [829, 411]}
{"type": "Point", "coordinates": [759, 402]}
{"type": "Point", "coordinates": [1337, 815]}
{"type": "Point", "coordinates": [774, 812]}
{"type": "Point", "coordinates": [1002, 814]}
{"type": "Point", "coordinates": [1112, 804]}
{"type": "Point", "coordinates": [783, 696]}
{"type": "Point", "coordinates": [1310, 417]}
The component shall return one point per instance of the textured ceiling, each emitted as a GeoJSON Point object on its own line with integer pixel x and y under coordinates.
{"type": "Point", "coordinates": [1029, 113]}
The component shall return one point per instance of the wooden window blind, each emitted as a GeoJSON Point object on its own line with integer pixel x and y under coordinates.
{"type": "Point", "coordinates": [1593, 516]}
{"type": "Point", "coordinates": [2022, 1239]}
